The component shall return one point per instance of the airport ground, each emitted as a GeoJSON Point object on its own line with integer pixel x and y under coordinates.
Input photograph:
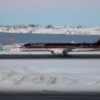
{"type": "Point", "coordinates": [75, 62]}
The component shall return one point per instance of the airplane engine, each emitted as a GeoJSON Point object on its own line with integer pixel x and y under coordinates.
{"type": "Point", "coordinates": [57, 51]}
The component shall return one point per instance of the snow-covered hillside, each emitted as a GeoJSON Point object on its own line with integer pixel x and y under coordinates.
{"type": "Point", "coordinates": [45, 29]}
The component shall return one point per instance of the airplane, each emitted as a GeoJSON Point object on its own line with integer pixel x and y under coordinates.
{"type": "Point", "coordinates": [62, 48]}
{"type": "Point", "coordinates": [53, 43]}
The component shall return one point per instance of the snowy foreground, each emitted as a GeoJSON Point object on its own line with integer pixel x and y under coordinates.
{"type": "Point", "coordinates": [51, 29]}
{"type": "Point", "coordinates": [42, 75]}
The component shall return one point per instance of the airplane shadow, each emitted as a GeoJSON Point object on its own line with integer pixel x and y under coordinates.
{"type": "Point", "coordinates": [48, 56]}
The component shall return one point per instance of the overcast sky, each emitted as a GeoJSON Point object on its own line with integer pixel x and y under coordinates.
{"type": "Point", "coordinates": [72, 12]}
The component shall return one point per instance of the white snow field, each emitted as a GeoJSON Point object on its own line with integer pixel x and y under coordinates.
{"type": "Point", "coordinates": [51, 29]}
{"type": "Point", "coordinates": [42, 75]}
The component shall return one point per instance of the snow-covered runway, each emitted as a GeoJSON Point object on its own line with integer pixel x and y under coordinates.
{"type": "Point", "coordinates": [61, 75]}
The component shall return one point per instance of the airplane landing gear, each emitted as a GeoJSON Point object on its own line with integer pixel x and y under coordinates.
{"type": "Point", "coordinates": [52, 52]}
{"type": "Point", "coordinates": [64, 53]}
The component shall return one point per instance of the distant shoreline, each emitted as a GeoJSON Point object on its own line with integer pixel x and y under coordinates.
{"type": "Point", "coordinates": [51, 29]}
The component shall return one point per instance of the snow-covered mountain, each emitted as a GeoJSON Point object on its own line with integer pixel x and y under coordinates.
{"type": "Point", "coordinates": [52, 29]}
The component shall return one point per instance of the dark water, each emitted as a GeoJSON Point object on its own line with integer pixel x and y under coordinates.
{"type": "Point", "coordinates": [11, 38]}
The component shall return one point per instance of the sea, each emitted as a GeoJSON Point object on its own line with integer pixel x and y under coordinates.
{"type": "Point", "coordinates": [18, 38]}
